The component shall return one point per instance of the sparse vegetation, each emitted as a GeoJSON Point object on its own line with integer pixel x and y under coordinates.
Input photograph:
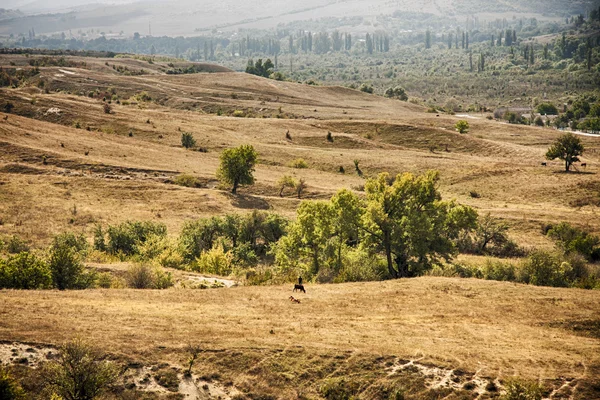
{"type": "Point", "coordinates": [299, 163]}
{"type": "Point", "coordinates": [81, 371]}
{"type": "Point", "coordinates": [390, 222]}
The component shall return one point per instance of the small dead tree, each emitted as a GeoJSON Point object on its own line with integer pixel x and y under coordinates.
{"type": "Point", "coordinates": [300, 186]}
{"type": "Point", "coordinates": [193, 351]}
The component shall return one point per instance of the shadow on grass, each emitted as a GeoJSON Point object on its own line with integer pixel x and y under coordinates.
{"type": "Point", "coordinates": [575, 172]}
{"type": "Point", "coordinates": [248, 202]}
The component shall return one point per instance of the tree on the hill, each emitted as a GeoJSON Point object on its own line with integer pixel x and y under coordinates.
{"type": "Point", "coordinates": [237, 166]}
{"type": "Point", "coordinates": [187, 140]}
{"type": "Point", "coordinates": [410, 224]}
{"type": "Point", "coordinates": [396, 92]}
{"type": "Point", "coordinates": [547, 109]}
{"type": "Point", "coordinates": [427, 39]}
{"type": "Point", "coordinates": [462, 126]}
{"type": "Point", "coordinates": [568, 148]}
{"type": "Point", "coordinates": [259, 68]}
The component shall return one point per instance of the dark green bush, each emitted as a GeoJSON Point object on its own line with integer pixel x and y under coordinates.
{"type": "Point", "coordinates": [187, 140]}
{"type": "Point", "coordinates": [24, 271]}
{"type": "Point", "coordinates": [570, 240]}
{"type": "Point", "coordinates": [124, 238]}
{"type": "Point", "coordinates": [66, 256]}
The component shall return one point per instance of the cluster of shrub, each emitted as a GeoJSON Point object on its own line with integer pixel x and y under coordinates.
{"type": "Point", "coordinates": [14, 77]}
{"type": "Point", "coordinates": [62, 267]}
{"type": "Point", "coordinates": [216, 245]}
{"type": "Point", "coordinates": [567, 266]}
{"type": "Point", "coordinates": [334, 241]}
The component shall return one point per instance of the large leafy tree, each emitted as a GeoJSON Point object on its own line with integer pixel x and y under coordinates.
{"type": "Point", "coordinates": [568, 148]}
{"type": "Point", "coordinates": [403, 219]}
{"type": "Point", "coordinates": [410, 224]}
{"type": "Point", "coordinates": [237, 166]}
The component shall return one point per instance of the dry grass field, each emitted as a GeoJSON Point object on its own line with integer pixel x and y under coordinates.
{"type": "Point", "coordinates": [253, 336]}
{"type": "Point", "coordinates": [65, 164]}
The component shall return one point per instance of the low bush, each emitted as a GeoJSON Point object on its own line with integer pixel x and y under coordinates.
{"type": "Point", "coordinates": [187, 140]}
{"type": "Point", "coordinates": [80, 371]}
{"type": "Point", "coordinates": [142, 276]}
{"type": "Point", "coordinates": [498, 271]}
{"type": "Point", "coordinates": [125, 238]}
{"type": "Point", "coordinates": [360, 266]}
{"type": "Point", "coordinates": [66, 256]}
{"type": "Point", "coordinates": [299, 163]}
{"type": "Point", "coordinates": [24, 271]}
{"type": "Point", "coordinates": [16, 245]}
{"type": "Point", "coordinates": [104, 280]}
{"type": "Point", "coordinates": [214, 261]}
{"type": "Point", "coordinates": [544, 268]}
{"type": "Point", "coordinates": [188, 181]}
{"type": "Point", "coordinates": [522, 390]}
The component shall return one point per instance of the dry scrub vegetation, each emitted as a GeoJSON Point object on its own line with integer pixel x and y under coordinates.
{"type": "Point", "coordinates": [67, 165]}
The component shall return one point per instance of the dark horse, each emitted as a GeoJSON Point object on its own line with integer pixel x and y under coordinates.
{"type": "Point", "coordinates": [299, 287]}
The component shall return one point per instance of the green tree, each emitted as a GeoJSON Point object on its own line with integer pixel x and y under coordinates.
{"type": "Point", "coordinates": [259, 68]}
{"type": "Point", "coordinates": [547, 108]}
{"type": "Point", "coordinates": [187, 140]}
{"type": "Point", "coordinates": [428, 39]}
{"type": "Point", "coordinates": [309, 239]}
{"type": "Point", "coordinates": [410, 224]}
{"type": "Point", "coordinates": [568, 148]}
{"type": "Point", "coordinates": [237, 166]}
{"type": "Point", "coordinates": [462, 126]}
{"type": "Point", "coordinates": [66, 262]}
{"type": "Point", "coordinates": [80, 372]}
{"type": "Point", "coordinates": [396, 92]}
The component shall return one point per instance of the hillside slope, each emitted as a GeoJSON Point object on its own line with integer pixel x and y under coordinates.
{"type": "Point", "coordinates": [59, 142]}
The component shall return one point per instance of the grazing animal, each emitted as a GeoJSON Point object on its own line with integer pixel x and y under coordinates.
{"type": "Point", "coordinates": [6, 117]}
{"type": "Point", "coordinates": [293, 300]}
{"type": "Point", "coordinates": [87, 153]}
{"type": "Point", "coordinates": [299, 287]}
{"type": "Point", "coordinates": [583, 165]}
{"type": "Point", "coordinates": [544, 164]}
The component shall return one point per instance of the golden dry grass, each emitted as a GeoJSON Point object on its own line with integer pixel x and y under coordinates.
{"type": "Point", "coordinates": [124, 177]}
{"type": "Point", "coordinates": [498, 329]}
